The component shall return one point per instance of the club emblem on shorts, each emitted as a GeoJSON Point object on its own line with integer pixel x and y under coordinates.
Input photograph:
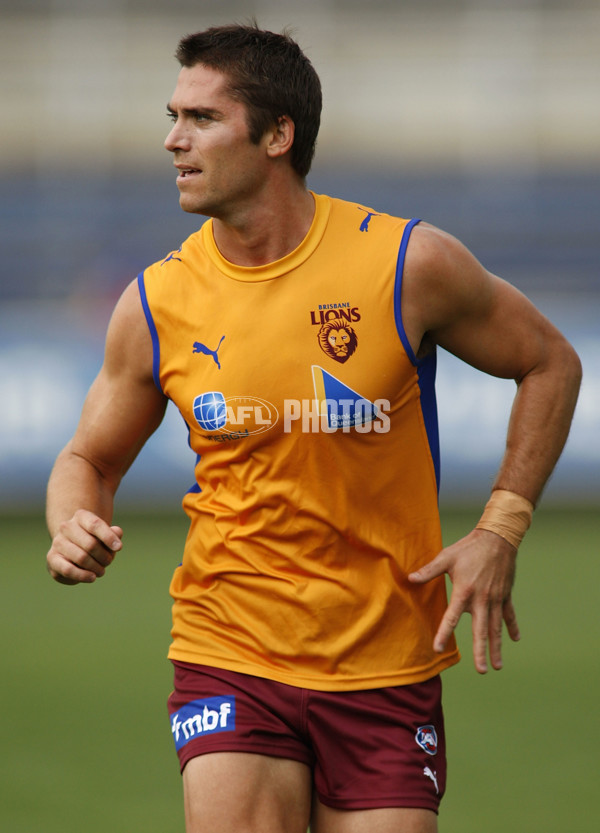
{"type": "Point", "coordinates": [426, 737]}
{"type": "Point", "coordinates": [337, 339]}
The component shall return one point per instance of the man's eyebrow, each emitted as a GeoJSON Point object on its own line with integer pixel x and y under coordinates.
{"type": "Point", "coordinates": [195, 111]}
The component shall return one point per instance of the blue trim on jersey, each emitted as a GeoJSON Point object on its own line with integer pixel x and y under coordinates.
{"type": "Point", "coordinates": [156, 361]}
{"type": "Point", "coordinates": [398, 290]}
{"type": "Point", "coordinates": [153, 333]}
{"type": "Point", "coordinates": [426, 370]}
{"type": "Point", "coordinates": [426, 367]}
{"type": "Point", "coordinates": [195, 489]}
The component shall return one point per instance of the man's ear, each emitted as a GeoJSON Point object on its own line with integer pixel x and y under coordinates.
{"type": "Point", "coordinates": [281, 137]}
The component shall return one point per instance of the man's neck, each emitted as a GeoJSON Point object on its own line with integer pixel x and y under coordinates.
{"type": "Point", "coordinates": [268, 231]}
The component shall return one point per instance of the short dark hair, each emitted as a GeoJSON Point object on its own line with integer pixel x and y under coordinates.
{"type": "Point", "coordinates": [270, 74]}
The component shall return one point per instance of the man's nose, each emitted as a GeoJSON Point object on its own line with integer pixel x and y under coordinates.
{"type": "Point", "coordinates": [177, 138]}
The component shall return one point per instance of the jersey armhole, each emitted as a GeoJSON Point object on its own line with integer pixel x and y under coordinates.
{"type": "Point", "coordinates": [426, 367]}
{"type": "Point", "coordinates": [398, 289]}
{"type": "Point", "coordinates": [153, 332]}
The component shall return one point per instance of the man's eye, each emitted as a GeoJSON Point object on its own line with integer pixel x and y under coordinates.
{"type": "Point", "coordinates": [172, 116]}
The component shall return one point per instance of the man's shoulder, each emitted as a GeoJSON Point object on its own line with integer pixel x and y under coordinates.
{"type": "Point", "coordinates": [185, 255]}
{"type": "Point", "coordinates": [364, 218]}
{"type": "Point", "coordinates": [434, 249]}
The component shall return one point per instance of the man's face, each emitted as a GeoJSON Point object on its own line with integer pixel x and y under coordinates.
{"type": "Point", "coordinates": [220, 169]}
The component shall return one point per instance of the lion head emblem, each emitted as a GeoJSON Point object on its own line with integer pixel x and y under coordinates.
{"type": "Point", "coordinates": [337, 339]}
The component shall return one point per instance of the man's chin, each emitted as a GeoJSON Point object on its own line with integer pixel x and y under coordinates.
{"type": "Point", "coordinates": [191, 206]}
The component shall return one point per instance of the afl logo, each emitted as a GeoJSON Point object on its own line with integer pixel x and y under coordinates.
{"type": "Point", "coordinates": [236, 416]}
{"type": "Point", "coordinates": [426, 737]}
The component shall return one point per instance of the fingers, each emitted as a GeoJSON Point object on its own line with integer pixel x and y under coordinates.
{"type": "Point", "coordinates": [429, 571]}
{"type": "Point", "coordinates": [487, 630]}
{"type": "Point", "coordinates": [448, 625]}
{"type": "Point", "coordinates": [481, 568]}
{"type": "Point", "coordinates": [487, 633]}
{"type": "Point", "coordinates": [83, 548]}
{"type": "Point", "coordinates": [484, 628]}
{"type": "Point", "coordinates": [510, 619]}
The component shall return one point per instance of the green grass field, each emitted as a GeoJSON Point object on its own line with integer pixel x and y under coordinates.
{"type": "Point", "coordinates": [84, 738]}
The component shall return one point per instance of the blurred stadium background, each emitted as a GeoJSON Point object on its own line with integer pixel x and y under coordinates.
{"type": "Point", "coordinates": [481, 117]}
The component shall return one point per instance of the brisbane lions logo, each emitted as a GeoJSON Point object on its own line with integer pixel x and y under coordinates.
{"type": "Point", "coordinates": [337, 340]}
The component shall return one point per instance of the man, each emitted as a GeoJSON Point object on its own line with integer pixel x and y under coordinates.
{"type": "Point", "coordinates": [296, 334]}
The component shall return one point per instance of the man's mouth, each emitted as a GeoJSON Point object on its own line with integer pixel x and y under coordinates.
{"type": "Point", "coordinates": [186, 172]}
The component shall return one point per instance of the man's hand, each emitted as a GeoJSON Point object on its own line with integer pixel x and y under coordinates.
{"type": "Point", "coordinates": [481, 567]}
{"type": "Point", "coordinates": [83, 548]}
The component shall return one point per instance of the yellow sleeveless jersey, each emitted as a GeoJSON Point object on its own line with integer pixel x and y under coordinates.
{"type": "Point", "coordinates": [316, 478]}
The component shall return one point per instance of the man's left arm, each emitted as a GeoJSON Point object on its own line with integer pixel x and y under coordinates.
{"type": "Point", "coordinates": [451, 300]}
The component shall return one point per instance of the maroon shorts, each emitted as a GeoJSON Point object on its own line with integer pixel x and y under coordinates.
{"type": "Point", "coordinates": [367, 749]}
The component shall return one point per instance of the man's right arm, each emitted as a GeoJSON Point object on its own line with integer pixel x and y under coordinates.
{"type": "Point", "coordinates": [122, 409]}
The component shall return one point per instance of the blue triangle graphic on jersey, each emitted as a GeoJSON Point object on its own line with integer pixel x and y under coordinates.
{"type": "Point", "coordinates": [344, 406]}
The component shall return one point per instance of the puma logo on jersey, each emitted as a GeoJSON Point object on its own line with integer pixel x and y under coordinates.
{"type": "Point", "coordinates": [172, 256]}
{"type": "Point", "coordinates": [202, 348]}
{"type": "Point", "coordinates": [364, 226]}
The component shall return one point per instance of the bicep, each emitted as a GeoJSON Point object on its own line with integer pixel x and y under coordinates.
{"type": "Point", "coordinates": [473, 314]}
{"type": "Point", "coordinates": [123, 406]}
{"type": "Point", "coordinates": [506, 336]}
